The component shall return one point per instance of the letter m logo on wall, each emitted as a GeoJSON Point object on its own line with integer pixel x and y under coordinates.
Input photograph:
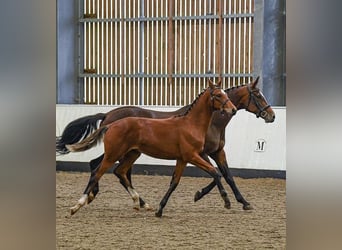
{"type": "Point", "coordinates": [260, 145]}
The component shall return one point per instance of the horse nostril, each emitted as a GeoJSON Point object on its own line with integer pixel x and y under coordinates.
{"type": "Point", "coordinates": [234, 111]}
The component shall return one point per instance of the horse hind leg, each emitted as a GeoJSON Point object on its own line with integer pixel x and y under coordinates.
{"type": "Point", "coordinates": [201, 163]}
{"type": "Point", "coordinates": [93, 165]}
{"type": "Point", "coordinates": [221, 161]}
{"type": "Point", "coordinates": [94, 178]}
{"type": "Point", "coordinates": [123, 172]}
{"type": "Point", "coordinates": [200, 194]}
{"type": "Point", "coordinates": [143, 204]}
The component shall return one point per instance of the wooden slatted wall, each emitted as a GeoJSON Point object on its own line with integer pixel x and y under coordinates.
{"type": "Point", "coordinates": [157, 52]}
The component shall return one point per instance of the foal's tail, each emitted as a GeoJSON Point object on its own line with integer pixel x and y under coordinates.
{"type": "Point", "coordinates": [88, 142]}
{"type": "Point", "coordinates": [76, 130]}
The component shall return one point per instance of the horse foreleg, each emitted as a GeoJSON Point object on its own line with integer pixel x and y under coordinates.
{"type": "Point", "coordinates": [201, 163]}
{"type": "Point", "coordinates": [180, 165]}
{"type": "Point", "coordinates": [221, 161]}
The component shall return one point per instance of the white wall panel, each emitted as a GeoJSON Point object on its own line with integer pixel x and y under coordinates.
{"type": "Point", "coordinates": [242, 135]}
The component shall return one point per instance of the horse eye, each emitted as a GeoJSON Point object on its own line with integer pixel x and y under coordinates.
{"type": "Point", "coordinates": [219, 95]}
{"type": "Point", "coordinates": [257, 94]}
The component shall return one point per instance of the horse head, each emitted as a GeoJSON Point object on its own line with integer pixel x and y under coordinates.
{"type": "Point", "coordinates": [256, 103]}
{"type": "Point", "coordinates": [220, 100]}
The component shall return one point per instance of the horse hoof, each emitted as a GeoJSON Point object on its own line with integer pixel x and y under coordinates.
{"type": "Point", "coordinates": [147, 207]}
{"type": "Point", "coordinates": [227, 205]}
{"type": "Point", "coordinates": [136, 208]}
{"type": "Point", "coordinates": [74, 209]}
{"type": "Point", "coordinates": [159, 214]}
{"type": "Point", "coordinates": [197, 196]}
{"type": "Point", "coordinates": [248, 207]}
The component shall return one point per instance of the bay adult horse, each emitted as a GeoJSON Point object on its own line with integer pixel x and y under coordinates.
{"type": "Point", "coordinates": [248, 97]}
{"type": "Point", "coordinates": [180, 137]}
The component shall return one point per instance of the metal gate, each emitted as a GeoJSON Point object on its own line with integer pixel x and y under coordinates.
{"type": "Point", "coordinates": [158, 52]}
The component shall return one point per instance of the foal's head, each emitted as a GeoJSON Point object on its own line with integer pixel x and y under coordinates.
{"type": "Point", "coordinates": [255, 102]}
{"type": "Point", "coordinates": [220, 100]}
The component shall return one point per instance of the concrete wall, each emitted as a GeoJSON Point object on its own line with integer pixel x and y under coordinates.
{"type": "Point", "coordinates": [250, 142]}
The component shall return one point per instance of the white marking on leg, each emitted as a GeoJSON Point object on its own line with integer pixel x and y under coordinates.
{"type": "Point", "coordinates": [135, 197]}
{"type": "Point", "coordinates": [148, 207]}
{"type": "Point", "coordinates": [81, 202]}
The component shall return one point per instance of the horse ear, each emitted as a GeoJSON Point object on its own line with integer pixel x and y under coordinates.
{"type": "Point", "coordinates": [211, 84]}
{"type": "Point", "coordinates": [255, 82]}
{"type": "Point", "coordinates": [219, 83]}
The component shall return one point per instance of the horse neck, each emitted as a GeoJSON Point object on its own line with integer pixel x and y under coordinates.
{"type": "Point", "coordinates": [236, 94]}
{"type": "Point", "coordinates": [201, 112]}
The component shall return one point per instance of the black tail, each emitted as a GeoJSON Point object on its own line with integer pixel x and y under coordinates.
{"type": "Point", "coordinates": [77, 130]}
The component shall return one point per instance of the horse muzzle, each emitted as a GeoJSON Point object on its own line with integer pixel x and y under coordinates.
{"type": "Point", "coordinates": [269, 118]}
{"type": "Point", "coordinates": [229, 111]}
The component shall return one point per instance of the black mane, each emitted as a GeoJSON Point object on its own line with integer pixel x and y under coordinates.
{"type": "Point", "coordinates": [235, 87]}
{"type": "Point", "coordinates": [192, 104]}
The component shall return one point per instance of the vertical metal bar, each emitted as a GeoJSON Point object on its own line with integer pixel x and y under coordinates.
{"type": "Point", "coordinates": [224, 42]}
{"type": "Point", "coordinates": [85, 51]}
{"type": "Point", "coordinates": [249, 39]}
{"type": "Point", "coordinates": [229, 42]}
{"type": "Point", "coordinates": [124, 12]}
{"type": "Point", "coordinates": [85, 38]}
{"type": "Point", "coordinates": [152, 61]}
{"type": "Point", "coordinates": [157, 61]}
{"type": "Point", "coordinates": [161, 55]}
{"type": "Point", "coordinates": [199, 58]}
{"type": "Point", "coordinates": [89, 38]}
{"type": "Point", "coordinates": [185, 58]}
{"type": "Point", "coordinates": [181, 55]}
{"type": "Point", "coordinates": [244, 39]}
{"type": "Point", "coordinates": [119, 52]}
{"type": "Point", "coordinates": [122, 51]}
{"type": "Point", "coordinates": [206, 44]}
{"type": "Point", "coordinates": [133, 53]}
{"type": "Point", "coordinates": [102, 54]}
{"type": "Point", "coordinates": [176, 70]}
{"type": "Point", "coordinates": [98, 54]}
{"type": "Point", "coordinates": [208, 38]}
{"type": "Point", "coordinates": [107, 54]}
{"type": "Point", "coordinates": [189, 56]}
{"type": "Point", "coordinates": [141, 54]}
{"type": "Point", "coordinates": [116, 61]}
{"type": "Point", "coordinates": [129, 51]}
{"type": "Point", "coordinates": [148, 56]}
{"type": "Point", "coordinates": [196, 31]}
{"type": "Point", "coordinates": [234, 46]}
{"type": "Point", "coordinates": [219, 41]}
{"type": "Point", "coordinates": [213, 38]}
{"type": "Point", "coordinates": [111, 51]}
{"type": "Point", "coordinates": [171, 44]}
{"type": "Point", "coordinates": [166, 85]}
{"type": "Point", "coordinates": [239, 42]}
{"type": "Point", "coordinates": [92, 48]}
